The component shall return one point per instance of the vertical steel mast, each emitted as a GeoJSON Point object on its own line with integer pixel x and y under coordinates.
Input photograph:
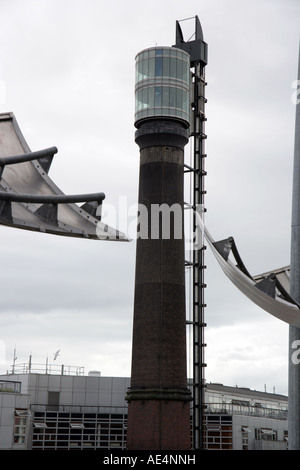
{"type": "Point", "coordinates": [294, 332]}
{"type": "Point", "coordinates": [197, 49]}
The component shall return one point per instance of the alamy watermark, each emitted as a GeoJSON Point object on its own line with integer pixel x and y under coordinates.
{"type": "Point", "coordinates": [296, 354]}
{"type": "Point", "coordinates": [155, 221]}
{"type": "Point", "coordinates": [296, 94]}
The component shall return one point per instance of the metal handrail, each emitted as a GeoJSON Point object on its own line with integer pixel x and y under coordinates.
{"type": "Point", "coordinates": [51, 198]}
{"type": "Point", "coordinates": [26, 157]}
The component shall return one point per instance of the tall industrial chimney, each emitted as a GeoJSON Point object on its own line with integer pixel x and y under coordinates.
{"type": "Point", "coordinates": [158, 398]}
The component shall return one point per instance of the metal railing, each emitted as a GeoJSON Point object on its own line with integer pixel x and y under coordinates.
{"type": "Point", "coordinates": [33, 368]}
{"type": "Point", "coordinates": [250, 410]}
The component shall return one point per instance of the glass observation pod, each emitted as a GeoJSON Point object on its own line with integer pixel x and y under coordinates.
{"type": "Point", "coordinates": [162, 85]}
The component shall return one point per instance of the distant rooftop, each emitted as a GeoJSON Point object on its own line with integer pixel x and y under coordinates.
{"type": "Point", "coordinates": [245, 391]}
{"type": "Point", "coordinates": [56, 369]}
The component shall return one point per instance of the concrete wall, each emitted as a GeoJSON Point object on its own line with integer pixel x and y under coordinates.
{"type": "Point", "coordinates": [75, 390]}
{"type": "Point", "coordinates": [258, 423]}
{"type": "Point", "coordinates": [8, 403]}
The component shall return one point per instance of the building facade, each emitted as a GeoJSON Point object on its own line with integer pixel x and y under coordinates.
{"type": "Point", "coordinates": [66, 409]}
{"type": "Point", "coordinates": [242, 419]}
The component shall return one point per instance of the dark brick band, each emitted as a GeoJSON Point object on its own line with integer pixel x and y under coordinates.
{"type": "Point", "coordinates": [161, 132]}
{"type": "Point", "coordinates": [165, 394]}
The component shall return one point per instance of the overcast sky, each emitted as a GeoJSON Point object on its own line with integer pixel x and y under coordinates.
{"type": "Point", "coordinates": [67, 73]}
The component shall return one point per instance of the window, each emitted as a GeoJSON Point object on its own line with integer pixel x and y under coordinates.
{"type": "Point", "coordinates": [245, 432]}
{"type": "Point", "coordinates": [20, 424]}
{"type": "Point", "coordinates": [266, 434]}
{"type": "Point", "coordinates": [78, 431]}
{"type": "Point", "coordinates": [158, 66]}
{"type": "Point", "coordinates": [162, 84]}
{"type": "Point", "coordinates": [158, 94]}
{"type": "Point", "coordinates": [40, 425]}
{"type": "Point", "coordinates": [218, 433]}
{"type": "Point", "coordinates": [77, 425]}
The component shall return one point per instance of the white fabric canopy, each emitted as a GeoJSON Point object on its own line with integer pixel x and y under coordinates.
{"type": "Point", "coordinates": [276, 306]}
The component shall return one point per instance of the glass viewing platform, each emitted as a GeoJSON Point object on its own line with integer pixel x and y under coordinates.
{"type": "Point", "coordinates": [162, 86]}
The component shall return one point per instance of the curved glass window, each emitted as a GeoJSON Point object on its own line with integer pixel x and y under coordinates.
{"type": "Point", "coordinates": [162, 84]}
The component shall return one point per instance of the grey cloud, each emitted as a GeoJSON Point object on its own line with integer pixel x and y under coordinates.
{"type": "Point", "coordinates": [69, 73]}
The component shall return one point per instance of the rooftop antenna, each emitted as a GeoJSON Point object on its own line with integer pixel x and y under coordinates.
{"type": "Point", "coordinates": [14, 360]}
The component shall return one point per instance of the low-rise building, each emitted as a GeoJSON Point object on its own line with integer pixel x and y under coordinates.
{"type": "Point", "coordinates": [14, 414]}
{"type": "Point", "coordinates": [62, 408]}
{"type": "Point", "coordinates": [242, 419]}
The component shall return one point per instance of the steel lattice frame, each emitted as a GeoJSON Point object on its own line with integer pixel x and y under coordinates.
{"type": "Point", "coordinates": [197, 49]}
